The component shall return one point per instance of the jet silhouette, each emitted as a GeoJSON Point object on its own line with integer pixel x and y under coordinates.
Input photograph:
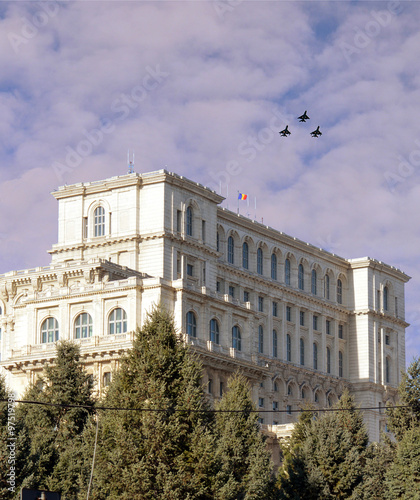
{"type": "Point", "coordinates": [316, 133]}
{"type": "Point", "coordinates": [304, 117]}
{"type": "Point", "coordinates": [285, 132]}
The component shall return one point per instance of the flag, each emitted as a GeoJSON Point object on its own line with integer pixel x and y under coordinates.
{"type": "Point", "coordinates": [242, 196]}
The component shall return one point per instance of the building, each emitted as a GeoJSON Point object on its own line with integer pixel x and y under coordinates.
{"type": "Point", "coordinates": [300, 322]}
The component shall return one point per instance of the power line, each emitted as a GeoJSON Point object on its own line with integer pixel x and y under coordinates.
{"type": "Point", "coordinates": [180, 410]}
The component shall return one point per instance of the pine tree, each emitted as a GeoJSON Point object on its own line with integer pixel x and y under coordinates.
{"type": "Point", "coordinates": [155, 454]}
{"type": "Point", "coordinates": [51, 433]}
{"type": "Point", "coordinates": [402, 419]}
{"type": "Point", "coordinates": [243, 462]}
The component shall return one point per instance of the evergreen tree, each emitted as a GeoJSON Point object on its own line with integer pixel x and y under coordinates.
{"type": "Point", "coordinates": [403, 477]}
{"type": "Point", "coordinates": [402, 419]}
{"type": "Point", "coordinates": [155, 454]}
{"type": "Point", "coordinates": [243, 462]}
{"type": "Point", "coordinates": [51, 433]}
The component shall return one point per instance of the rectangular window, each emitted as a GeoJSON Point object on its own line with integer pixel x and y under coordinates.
{"type": "Point", "coordinates": [328, 327]}
{"type": "Point", "coordinates": [302, 318]}
{"type": "Point", "coordinates": [274, 308]}
{"type": "Point", "coordinates": [190, 270]}
{"type": "Point", "coordinates": [315, 322]}
{"type": "Point", "coordinates": [340, 332]}
{"type": "Point", "coordinates": [260, 304]}
{"type": "Point", "coordinates": [261, 421]}
{"type": "Point", "coordinates": [203, 230]}
{"type": "Point", "coordinates": [218, 287]}
{"type": "Point", "coordinates": [210, 386]}
{"type": "Point", "coordinates": [221, 389]}
{"type": "Point", "coordinates": [396, 307]}
{"type": "Point", "coordinates": [178, 221]}
{"type": "Point", "coordinates": [261, 402]}
{"type": "Point", "coordinates": [246, 296]}
{"type": "Point", "coordinates": [275, 405]}
{"type": "Point", "coordinates": [387, 340]}
{"type": "Point", "coordinates": [289, 409]}
{"type": "Point", "coordinates": [178, 268]}
{"type": "Point", "coordinates": [288, 313]}
{"type": "Point", "coordinates": [232, 291]}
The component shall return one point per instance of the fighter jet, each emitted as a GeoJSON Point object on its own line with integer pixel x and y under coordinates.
{"type": "Point", "coordinates": [304, 117]}
{"type": "Point", "coordinates": [316, 133]}
{"type": "Point", "coordinates": [285, 132]}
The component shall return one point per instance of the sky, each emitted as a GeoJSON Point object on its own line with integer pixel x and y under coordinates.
{"type": "Point", "coordinates": [202, 88]}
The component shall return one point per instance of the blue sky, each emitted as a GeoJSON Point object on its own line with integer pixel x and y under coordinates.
{"type": "Point", "coordinates": [202, 88]}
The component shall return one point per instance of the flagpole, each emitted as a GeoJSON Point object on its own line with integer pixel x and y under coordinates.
{"type": "Point", "coordinates": [255, 198]}
{"type": "Point", "coordinates": [238, 202]}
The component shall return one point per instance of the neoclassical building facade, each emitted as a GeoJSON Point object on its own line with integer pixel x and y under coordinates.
{"type": "Point", "coordinates": [301, 323]}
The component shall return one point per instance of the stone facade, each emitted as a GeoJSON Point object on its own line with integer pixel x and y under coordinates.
{"type": "Point", "coordinates": [300, 322]}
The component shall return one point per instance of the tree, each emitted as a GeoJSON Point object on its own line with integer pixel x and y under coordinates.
{"type": "Point", "coordinates": [163, 446]}
{"type": "Point", "coordinates": [51, 432]}
{"type": "Point", "coordinates": [402, 419]}
{"type": "Point", "coordinates": [244, 468]}
{"type": "Point", "coordinates": [330, 462]}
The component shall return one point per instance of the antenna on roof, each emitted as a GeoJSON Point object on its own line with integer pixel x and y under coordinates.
{"type": "Point", "coordinates": [130, 163]}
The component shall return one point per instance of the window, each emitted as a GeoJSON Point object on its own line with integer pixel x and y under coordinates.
{"type": "Point", "coordinates": [245, 256]}
{"type": "Point", "coordinates": [276, 387]}
{"type": "Point", "coordinates": [289, 409]}
{"type": "Point", "coordinates": [210, 386]}
{"type": "Point", "coordinates": [315, 322]}
{"type": "Point", "coordinates": [340, 332]}
{"type": "Point", "coordinates": [261, 304]}
{"type": "Point", "coordinates": [83, 326]}
{"type": "Point", "coordinates": [316, 397]}
{"type": "Point", "coordinates": [303, 393]}
{"type": "Point", "coordinates": [246, 296]}
{"type": "Point", "coordinates": [289, 390]}
{"type": "Point", "coordinates": [236, 338]}
{"type": "Point", "coordinates": [340, 364]}
{"type": "Point", "coordinates": [117, 321]}
{"type": "Point", "coordinates": [385, 299]}
{"type": "Point", "coordinates": [302, 352]}
{"type": "Point", "coordinates": [327, 287]}
{"type": "Point", "coordinates": [328, 327]}
{"type": "Point", "coordinates": [203, 230]}
{"type": "Point", "coordinates": [339, 291]}
{"type": "Point", "coordinates": [275, 309]}
{"type": "Point", "coordinates": [260, 261]}
{"type": "Point", "coordinates": [261, 421]}
{"type": "Point", "coordinates": [178, 221]}
{"type": "Point", "coordinates": [328, 360]}
{"type": "Point", "coordinates": [191, 324]}
{"type": "Point", "coordinates": [232, 291]}
{"type": "Point", "coordinates": [221, 389]}
{"type": "Point", "coordinates": [218, 286]}
{"type": "Point", "coordinates": [190, 270]}
{"type": "Point", "coordinates": [218, 242]}
{"type": "Point", "coordinates": [273, 266]}
{"type": "Point", "coordinates": [301, 277]}
{"type": "Point", "coordinates": [231, 250]}
{"type": "Point", "coordinates": [274, 344]}
{"type": "Point", "coordinates": [189, 221]}
{"type": "Point", "coordinates": [302, 318]}
{"type": "Point", "coordinates": [85, 227]}
{"type": "Point", "coordinates": [106, 379]}
{"type": "Point", "coordinates": [313, 282]}
{"type": "Point", "coordinates": [260, 340]}
{"type": "Point", "coordinates": [99, 222]}
{"type": "Point", "coordinates": [315, 355]}
{"type": "Point", "coordinates": [396, 307]}
{"type": "Point", "coordinates": [387, 370]}
{"type": "Point", "coordinates": [261, 402]}
{"type": "Point", "coordinates": [387, 342]}
{"type": "Point", "coordinates": [214, 331]}
{"type": "Point", "coordinates": [49, 330]}
{"type": "Point", "coordinates": [288, 348]}
{"type": "Point", "coordinates": [287, 272]}
{"type": "Point", "coordinates": [288, 313]}
{"type": "Point", "coordinates": [275, 406]}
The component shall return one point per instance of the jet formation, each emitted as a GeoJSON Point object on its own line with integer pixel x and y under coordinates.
{"type": "Point", "coordinates": [302, 118]}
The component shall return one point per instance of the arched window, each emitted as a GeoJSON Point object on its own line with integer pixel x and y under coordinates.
{"type": "Point", "coordinates": [302, 351]}
{"type": "Point", "coordinates": [236, 338]}
{"type": "Point", "coordinates": [191, 324]}
{"type": "Point", "coordinates": [99, 222]}
{"type": "Point", "coordinates": [328, 360]}
{"type": "Point", "coordinates": [290, 390]}
{"type": "Point", "coordinates": [189, 221]}
{"type": "Point", "coordinates": [288, 348]}
{"type": "Point", "coordinates": [49, 330]}
{"type": "Point", "coordinates": [117, 322]}
{"type": "Point", "coordinates": [260, 339]}
{"type": "Point", "coordinates": [387, 370]}
{"type": "Point", "coordinates": [214, 331]}
{"type": "Point", "coordinates": [273, 266]}
{"type": "Point", "coordinates": [231, 250]}
{"type": "Point", "coordinates": [274, 344]}
{"type": "Point", "coordinates": [385, 298]}
{"type": "Point", "coordinates": [287, 272]}
{"type": "Point", "coordinates": [83, 326]}
{"type": "Point", "coordinates": [301, 277]}
{"type": "Point", "coordinates": [316, 397]}
{"type": "Point", "coordinates": [339, 291]}
{"type": "Point", "coordinates": [303, 393]}
{"type": "Point", "coordinates": [245, 256]}
{"type": "Point", "coordinates": [340, 364]}
{"type": "Point", "coordinates": [315, 355]}
{"type": "Point", "coordinates": [260, 261]}
{"type": "Point", "coordinates": [327, 287]}
{"type": "Point", "coordinates": [313, 282]}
